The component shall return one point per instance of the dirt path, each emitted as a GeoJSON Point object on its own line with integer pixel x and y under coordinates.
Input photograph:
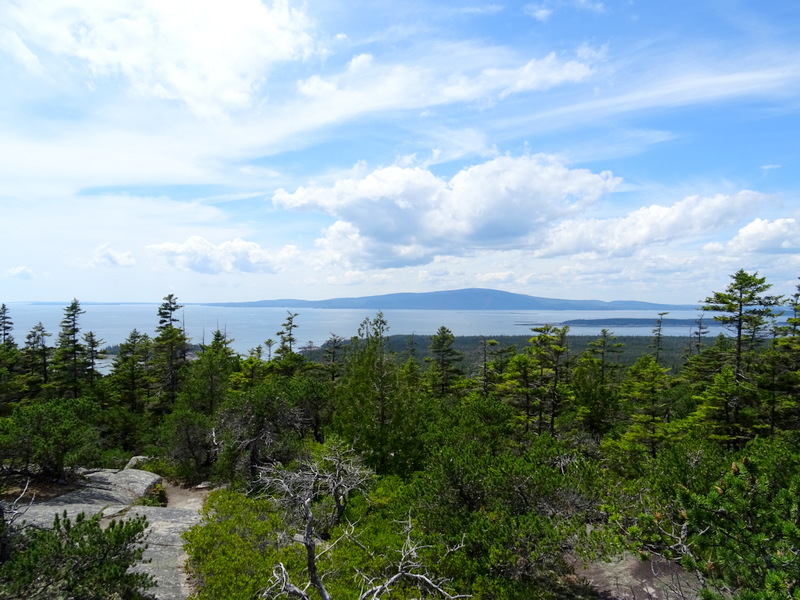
{"type": "Point", "coordinates": [181, 497]}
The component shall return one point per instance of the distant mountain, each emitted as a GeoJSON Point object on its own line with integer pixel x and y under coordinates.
{"type": "Point", "coordinates": [468, 299]}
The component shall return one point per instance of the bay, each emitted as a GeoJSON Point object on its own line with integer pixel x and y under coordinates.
{"type": "Point", "coordinates": [251, 326]}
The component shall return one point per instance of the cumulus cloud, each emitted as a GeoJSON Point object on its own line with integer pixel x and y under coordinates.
{"type": "Point", "coordinates": [209, 55]}
{"type": "Point", "coordinates": [399, 216]}
{"type": "Point", "coordinates": [763, 236]}
{"type": "Point", "coordinates": [693, 216]}
{"type": "Point", "coordinates": [199, 255]}
{"type": "Point", "coordinates": [19, 273]}
{"type": "Point", "coordinates": [106, 256]}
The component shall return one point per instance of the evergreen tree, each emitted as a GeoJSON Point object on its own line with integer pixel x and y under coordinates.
{"type": "Point", "coordinates": [520, 388]}
{"type": "Point", "coordinates": [288, 362]}
{"type": "Point", "coordinates": [444, 362]}
{"type": "Point", "coordinates": [746, 310]}
{"type": "Point", "coordinates": [549, 349]}
{"type": "Point", "coordinates": [643, 397]}
{"type": "Point", "coordinates": [170, 349]}
{"type": "Point", "coordinates": [334, 348]}
{"type": "Point", "coordinates": [207, 381]}
{"type": "Point", "coordinates": [69, 357]}
{"type": "Point", "coordinates": [131, 376]}
{"type": "Point", "coordinates": [376, 409]}
{"type": "Point", "coordinates": [9, 362]}
{"type": "Point", "coordinates": [6, 327]}
{"type": "Point", "coordinates": [604, 348]}
{"type": "Point", "coordinates": [36, 361]}
{"type": "Point", "coordinates": [94, 354]}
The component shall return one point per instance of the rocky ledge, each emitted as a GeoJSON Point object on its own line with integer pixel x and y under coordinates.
{"type": "Point", "coordinates": [115, 494]}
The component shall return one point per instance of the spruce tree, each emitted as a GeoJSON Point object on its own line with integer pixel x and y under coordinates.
{"type": "Point", "coordinates": [69, 357]}
{"type": "Point", "coordinates": [170, 349]}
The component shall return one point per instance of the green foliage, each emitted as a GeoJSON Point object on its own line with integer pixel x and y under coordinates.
{"type": "Point", "coordinates": [77, 560]}
{"type": "Point", "coordinates": [518, 508]}
{"type": "Point", "coordinates": [187, 436]}
{"type": "Point", "coordinates": [379, 406]}
{"type": "Point", "coordinates": [746, 528]}
{"type": "Point", "coordinates": [735, 522]}
{"type": "Point", "coordinates": [261, 425]}
{"type": "Point", "coordinates": [248, 547]}
{"type": "Point", "coordinates": [56, 435]}
{"type": "Point", "coordinates": [170, 348]}
{"type": "Point", "coordinates": [160, 466]}
{"type": "Point", "coordinates": [444, 362]}
{"type": "Point", "coordinates": [233, 548]}
{"type": "Point", "coordinates": [155, 497]}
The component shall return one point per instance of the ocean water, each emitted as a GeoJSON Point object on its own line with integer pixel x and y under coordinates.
{"type": "Point", "coordinates": [249, 327]}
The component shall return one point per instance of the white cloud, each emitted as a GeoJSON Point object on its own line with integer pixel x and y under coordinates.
{"type": "Point", "coordinates": [693, 216]}
{"type": "Point", "coordinates": [199, 255]}
{"type": "Point", "coordinates": [460, 73]}
{"type": "Point", "coordinates": [538, 11]}
{"type": "Point", "coordinates": [489, 9]}
{"type": "Point", "coordinates": [397, 216]}
{"type": "Point", "coordinates": [11, 42]}
{"type": "Point", "coordinates": [779, 236]}
{"type": "Point", "coordinates": [19, 273]}
{"type": "Point", "coordinates": [106, 256]}
{"type": "Point", "coordinates": [501, 277]}
{"type": "Point", "coordinates": [209, 55]}
{"type": "Point", "coordinates": [542, 11]}
{"type": "Point", "coordinates": [546, 73]}
{"type": "Point", "coordinates": [361, 61]}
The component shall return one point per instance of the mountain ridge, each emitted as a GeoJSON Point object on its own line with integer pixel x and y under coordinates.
{"type": "Point", "coordinates": [462, 299]}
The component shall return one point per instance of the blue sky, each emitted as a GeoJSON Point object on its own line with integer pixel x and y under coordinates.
{"type": "Point", "coordinates": [275, 149]}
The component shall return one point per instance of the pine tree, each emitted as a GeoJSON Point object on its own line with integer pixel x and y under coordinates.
{"type": "Point", "coordinates": [69, 357]}
{"type": "Point", "coordinates": [170, 349]}
{"type": "Point", "coordinates": [6, 327]}
{"type": "Point", "coordinates": [444, 362]}
{"type": "Point", "coordinates": [549, 349]}
{"type": "Point", "coordinates": [36, 361]}
{"type": "Point", "coordinates": [131, 377]}
{"type": "Point", "coordinates": [748, 312]}
{"type": "Point", "coordinates": [9, 361]}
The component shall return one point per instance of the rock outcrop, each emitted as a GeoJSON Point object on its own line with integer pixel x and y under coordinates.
{"type": "Point", "coordinates": [115, 494]}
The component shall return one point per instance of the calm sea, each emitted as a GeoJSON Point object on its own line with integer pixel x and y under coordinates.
{"type": "Point", "coordinates": [250, 327]}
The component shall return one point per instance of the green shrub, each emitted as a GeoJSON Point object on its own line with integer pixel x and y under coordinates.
{"type": "Point", "coordinates": [156, 497]}
{"type": "Point", "coordinates": [76, 560]}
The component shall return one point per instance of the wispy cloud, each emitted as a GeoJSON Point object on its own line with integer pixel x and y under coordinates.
{"type": "Point", "coordinates": [209, 56]}
{"type": "Point", "coordinates": [19, 273]}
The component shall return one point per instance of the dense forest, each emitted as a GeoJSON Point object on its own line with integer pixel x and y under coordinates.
{"type": "Point", "coordinates": [373, 467]}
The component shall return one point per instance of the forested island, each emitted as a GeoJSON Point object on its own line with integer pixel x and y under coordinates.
{"type": "Point", "coordinates": [378, 467]}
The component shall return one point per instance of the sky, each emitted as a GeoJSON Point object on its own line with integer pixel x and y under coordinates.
{"type": "Point", "coordinates": [265, 149]}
